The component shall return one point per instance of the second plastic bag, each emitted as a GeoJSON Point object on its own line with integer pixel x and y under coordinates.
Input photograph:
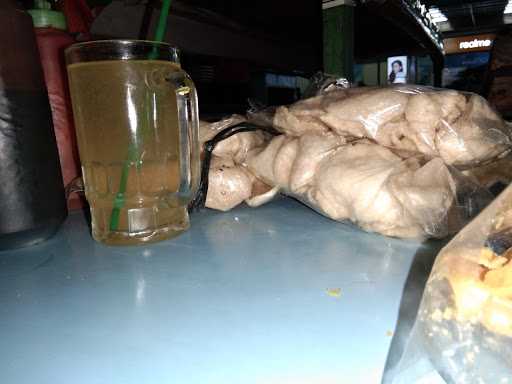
{"type": "Point", "coordinates": [463, 330]}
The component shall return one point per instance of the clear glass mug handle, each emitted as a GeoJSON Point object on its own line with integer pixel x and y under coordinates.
{"type": "Point", "coordinates": [188, 124]}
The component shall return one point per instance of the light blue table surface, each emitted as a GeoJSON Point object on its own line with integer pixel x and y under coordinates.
{"type": "Point", "coordinates": [240, 298]}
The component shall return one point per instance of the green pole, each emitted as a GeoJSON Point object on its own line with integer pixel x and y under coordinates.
{"type": "Point", "coordinates": [338, 32]}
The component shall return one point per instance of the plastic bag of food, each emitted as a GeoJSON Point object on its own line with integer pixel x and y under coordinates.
{"type": "Point", "coordinates": [361, 181]}
{"type": "Point", "coordinates": [463, 329]}
{"type": "Point", "coordinates": [461, 128]}
{"type": "Point", "coordinates": [386, 159]}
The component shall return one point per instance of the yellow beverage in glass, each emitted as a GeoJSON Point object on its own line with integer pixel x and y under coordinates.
{"type": "Point", "coordinates": [137, 140]}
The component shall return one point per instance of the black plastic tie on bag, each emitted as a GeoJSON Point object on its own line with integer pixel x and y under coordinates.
{"type": "Point", "coordinates": [200, 199]}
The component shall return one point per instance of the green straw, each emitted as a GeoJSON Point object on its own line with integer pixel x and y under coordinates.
{"type": "Point", "coordinates": [119, 200]}
{"type": "Point", "coordinates": [162, 21]}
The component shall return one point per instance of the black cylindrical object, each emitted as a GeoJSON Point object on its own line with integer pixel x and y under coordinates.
{"type": "Point", "coordinates": [32, 203]}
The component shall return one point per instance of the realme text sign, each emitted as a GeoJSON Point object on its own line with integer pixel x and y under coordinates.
{"type": "Point", "coordinates": [468, 43]}
{"type": "Point", "coordinates": [475, 44]}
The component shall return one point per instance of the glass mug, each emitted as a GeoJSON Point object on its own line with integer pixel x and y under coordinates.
{"type": "Point", "coordinates": [136, 118]}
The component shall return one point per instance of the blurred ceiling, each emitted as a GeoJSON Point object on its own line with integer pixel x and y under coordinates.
{"type": "Point", "coordinates": [284, 35]}
{"type": "Point", "coordinates": [471, 16]}
{"type": "Point", "coordinates": [289, 19]}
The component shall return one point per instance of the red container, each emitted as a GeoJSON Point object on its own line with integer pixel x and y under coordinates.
{"type": "Point", "coordinates": [52, 42]}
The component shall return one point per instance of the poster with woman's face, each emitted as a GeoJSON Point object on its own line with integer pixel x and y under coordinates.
{"type": "Point", "coordinates": [397, 70]}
